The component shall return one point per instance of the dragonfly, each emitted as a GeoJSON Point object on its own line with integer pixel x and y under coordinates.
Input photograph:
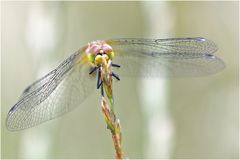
{"type": "Point", "coordinates": [67, 86]}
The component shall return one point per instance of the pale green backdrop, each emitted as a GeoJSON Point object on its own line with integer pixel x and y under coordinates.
{"type": "Point", "coordinates": [172, 118]}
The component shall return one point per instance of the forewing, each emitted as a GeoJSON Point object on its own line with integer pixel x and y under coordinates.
{"type": "Point", "coordinates": [176, 57]}
{"type": "Point", "coordinates": [55, 94]}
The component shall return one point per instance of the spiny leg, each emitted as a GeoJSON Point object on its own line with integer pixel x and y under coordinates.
{"type": "Point", "coordinates": [115, 76]}
{"type": "Point", "coordinates": [99, 81]}
{"type": "Point", "coordinates": [99, 84]}
{"type": "Point", "coordinates": [93, 69]}
{"type": "Point", "coordinates": [115, 65]}
{"type": "Point", "coordinates": [102, 91]}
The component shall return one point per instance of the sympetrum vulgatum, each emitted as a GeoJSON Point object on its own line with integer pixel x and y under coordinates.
{"type": "Point", "coordinates": [70, 83]}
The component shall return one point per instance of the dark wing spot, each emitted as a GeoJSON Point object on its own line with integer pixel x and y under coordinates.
{"type": "Point", "coordinates": [12, 109]}
{"type": "Point", "coordinates": [210, 56]}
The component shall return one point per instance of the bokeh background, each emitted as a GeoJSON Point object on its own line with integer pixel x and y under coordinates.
{"type": "Point", "coordinates": [161, 118]}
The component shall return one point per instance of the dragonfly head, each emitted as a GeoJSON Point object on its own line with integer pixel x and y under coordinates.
{"type": "Point", "coordinates": [99, 52]}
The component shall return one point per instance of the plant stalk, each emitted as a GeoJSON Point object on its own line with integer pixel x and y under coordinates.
{"type": "Point", "coordinates": [113, 124]}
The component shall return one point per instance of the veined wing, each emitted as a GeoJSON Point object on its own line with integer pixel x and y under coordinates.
{"type": "Point", "coordinates": [53, 95]}
{"type": "Point", "coordinates": [174, 57]}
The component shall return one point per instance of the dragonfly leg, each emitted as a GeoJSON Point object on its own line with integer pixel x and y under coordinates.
{"type": "Point", "coordinates": [115, 76]}
{"type": "Point", "coordinates": [99, 85]}
{"type": "Point", "coordinates": [99, 81]}
{"type": "Point", "coordinates": [102, 91]}
{"type": "Point", "coordinates": [115, 65]}
{"type": "Point", "coordinates": [93, 70]}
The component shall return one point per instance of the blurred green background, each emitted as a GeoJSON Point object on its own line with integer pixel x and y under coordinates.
{"type": "Point", "coordinates": [161, 118]}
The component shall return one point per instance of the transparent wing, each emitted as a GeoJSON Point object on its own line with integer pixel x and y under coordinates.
{"type": "Point", "coordinates": [69, 84]}
{"type": "Point", "coordinates": [174, 57]}
{"type": "Point", "coordinates": [53, 95]}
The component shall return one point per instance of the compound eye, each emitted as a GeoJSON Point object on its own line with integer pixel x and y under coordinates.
{"type": "Point", "coordinates": [110, 55]}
